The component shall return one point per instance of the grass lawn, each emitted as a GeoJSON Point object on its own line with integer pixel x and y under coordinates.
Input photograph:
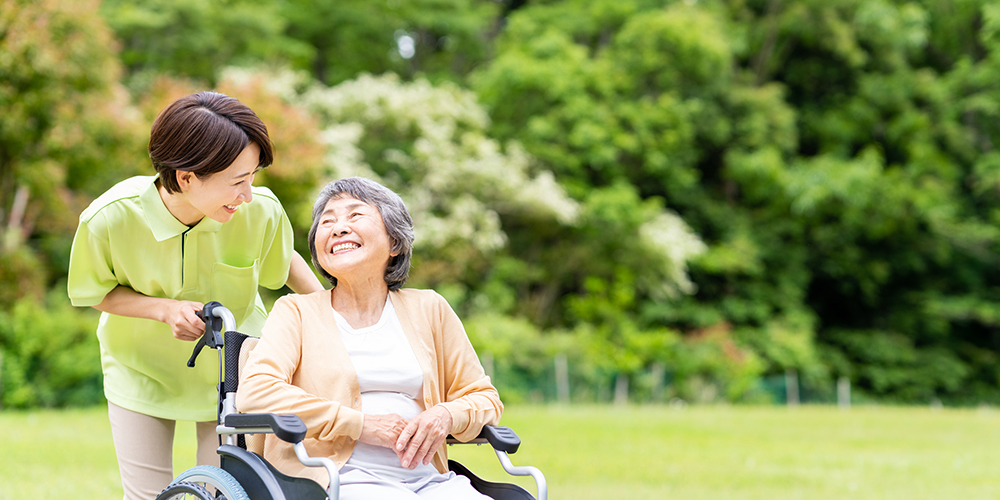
{"type": "Point", "coordinates": [597, 452]}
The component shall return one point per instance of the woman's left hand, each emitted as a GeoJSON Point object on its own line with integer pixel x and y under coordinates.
{"type": "Point", "coordinates": [423, 436]}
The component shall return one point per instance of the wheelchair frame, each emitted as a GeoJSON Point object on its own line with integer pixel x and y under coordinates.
{"type": "Point", "coordinates": [244, 475]}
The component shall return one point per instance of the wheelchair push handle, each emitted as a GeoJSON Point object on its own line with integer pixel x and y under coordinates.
{"type": "Point", "coordinates": [217, 320]}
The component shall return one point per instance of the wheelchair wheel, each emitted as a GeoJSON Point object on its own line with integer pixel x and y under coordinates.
{"type": "Point", "coordinates": [184, 491]}
{"type": "Point", "coordinates": [207, 478]}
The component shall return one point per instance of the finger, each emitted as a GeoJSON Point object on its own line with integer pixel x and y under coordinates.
{"type": "Point", "coordinates": [434, 440]}
{"type": "Point", "coordinates": [413, 447]}
{"type": "Point", "coordinates": [192, 319]}
{"type": "Point", "coordinates": [185, 335]}
{"type": "Point", "coordinates": [189, 331]}
{"type": "Point", "coordinates": [405, 435]}
{"type": "Point", "coordinates": [424, 454]}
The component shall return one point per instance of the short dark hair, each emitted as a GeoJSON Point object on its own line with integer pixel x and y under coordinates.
{"type": "Point", "coordinates": [396, 218]}
{"type": "Point", "coordinates": [204, 133]}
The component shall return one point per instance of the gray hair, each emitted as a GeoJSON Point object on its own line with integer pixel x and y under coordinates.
{"type": "Point", "coordinates": [396, 218]}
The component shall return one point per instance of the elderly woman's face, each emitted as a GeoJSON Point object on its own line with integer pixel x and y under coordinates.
{"type": "Point", "coordinates": [351, 240]}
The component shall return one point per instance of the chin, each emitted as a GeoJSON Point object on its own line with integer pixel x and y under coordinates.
{"type": "Point", "coordinates": [223, 217]}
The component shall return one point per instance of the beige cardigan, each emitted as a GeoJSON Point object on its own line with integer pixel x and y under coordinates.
{"type": "Point", "coordinates": [301, 366]}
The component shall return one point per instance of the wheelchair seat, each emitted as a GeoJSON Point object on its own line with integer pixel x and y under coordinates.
{"type": "Point", "coordinates": [245, 475]}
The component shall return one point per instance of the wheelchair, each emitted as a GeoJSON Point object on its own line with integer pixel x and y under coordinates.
{"type": "Point", "coordinates": [245, 475]}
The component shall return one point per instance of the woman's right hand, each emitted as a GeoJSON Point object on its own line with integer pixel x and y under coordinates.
{"type": "Point", "coordinates": [182, 316]}
{"type": "Point", "coordinates": [382, 430]}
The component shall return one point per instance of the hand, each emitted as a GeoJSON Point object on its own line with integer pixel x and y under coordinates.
{"type": "Point", "coordinates": [182, 316]}
{"type": "Point", "coordinates": [423, 436]}
{"type": "Point", "coordinates": [382, 430]}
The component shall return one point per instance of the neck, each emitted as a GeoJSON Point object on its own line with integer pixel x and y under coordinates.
{"type": "Point", "coordinates": [179, 207]}
{"type": "Point", "coordinates": [360, 304]}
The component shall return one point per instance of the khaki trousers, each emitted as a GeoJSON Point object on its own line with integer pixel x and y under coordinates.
{"type": "Point", "coordinates": [145, 445]}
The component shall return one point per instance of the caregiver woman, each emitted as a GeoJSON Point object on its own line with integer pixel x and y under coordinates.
{"type": "Point", "coordinates": [152, 249]}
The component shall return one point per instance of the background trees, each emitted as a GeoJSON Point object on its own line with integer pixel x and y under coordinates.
{"type": "Point", "coordinates": [693, 197]}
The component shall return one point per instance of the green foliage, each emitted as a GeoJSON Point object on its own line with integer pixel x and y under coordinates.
{"type": "Point", "coordinates": [66, 134]}
{"type": "Point", "coordinates": [48, 355]}
{"type": "Point", "coordinates": [889, 366]}
{"type": "Point", "coordinates": [836, 157]}
{"type": "Point", "coordinates": [724, 189]}
{"type": "Point", "coordinates": [195, 39]}
{"type": "Point", "coordinates": [347, 38]}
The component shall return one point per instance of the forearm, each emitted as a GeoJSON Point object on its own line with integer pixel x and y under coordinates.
{"type": "Point", "coordinates": [180, 315]}
{"type": "Point", "coordinates": [300, 277]}
{"type": "Point", "coordinates": [471, 412]}
{"type": "Point", "coordinates": [263, 390]}
{"type": "Point", "coordinates": [124, 301]}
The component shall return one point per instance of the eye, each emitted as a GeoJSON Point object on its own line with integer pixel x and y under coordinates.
{"type": "Point", "coordinates": [248, 178]}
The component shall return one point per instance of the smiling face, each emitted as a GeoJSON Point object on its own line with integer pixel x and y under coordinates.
{"type": "Point", "coordinates": [217, 196]}
{"type": "Point", "coordinates": [351, 240]}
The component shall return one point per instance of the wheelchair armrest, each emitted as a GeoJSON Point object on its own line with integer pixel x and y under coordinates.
{"type": "Point", "coordinates": [288, 428]}
{"type": "Point", "coordinates": [500, 438]}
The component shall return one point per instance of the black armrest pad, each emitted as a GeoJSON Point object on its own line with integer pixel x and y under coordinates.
{"type": "Point", "coordinates": [288, 428]}
{"type": "Point", "coordinates": [501, 438]}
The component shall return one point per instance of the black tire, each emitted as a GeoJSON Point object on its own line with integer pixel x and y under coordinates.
{"type": "Point", "coordinates": [212, 479]}
{"type": "Point", "coordinates": [184, 491]}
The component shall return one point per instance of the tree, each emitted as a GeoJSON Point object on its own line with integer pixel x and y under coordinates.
{"type": "Point", "coordinates": [66, 129]}
{"type": "Point", "coordinates": [816, 146]}
{"type": "Point", "coordinates": [193, 39]}
{"type": "Point", "coordinates": [440, 39]}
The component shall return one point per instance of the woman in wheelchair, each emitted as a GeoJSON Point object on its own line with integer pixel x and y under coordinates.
{"type": "Point", "coordinates": [380, 375]}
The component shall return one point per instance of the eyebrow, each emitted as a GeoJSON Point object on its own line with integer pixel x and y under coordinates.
{"type": "Point", "coordinates": [350, 207]}
{"type": "Point", "coordinates": [240, 176]}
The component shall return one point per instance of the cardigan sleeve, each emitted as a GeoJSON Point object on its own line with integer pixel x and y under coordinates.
{"type": "Point", "coordinates": [266, 380]}
{"type": "Point", "coordinates": [468, 393]}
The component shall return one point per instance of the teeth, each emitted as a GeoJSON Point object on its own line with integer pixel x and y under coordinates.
{"type": "Point", "coordinates": [344, 246]}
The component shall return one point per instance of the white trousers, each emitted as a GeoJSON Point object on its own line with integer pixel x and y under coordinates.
{"type": "Point", "coordinates": [145, 449]}
{"type": "Point", "coordinates": [359, 484]}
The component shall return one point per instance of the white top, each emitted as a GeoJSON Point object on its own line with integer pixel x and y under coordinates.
{"type": "Point", "coordinates": [391, 381]}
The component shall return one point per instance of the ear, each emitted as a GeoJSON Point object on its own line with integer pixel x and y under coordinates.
{"type": "Point", "coordinates": [184, 179]}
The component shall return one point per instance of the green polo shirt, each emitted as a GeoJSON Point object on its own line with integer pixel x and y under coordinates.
{"type": "Point", "coordinates": [128, 237]}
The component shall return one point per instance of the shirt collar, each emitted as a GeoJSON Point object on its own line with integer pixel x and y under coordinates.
{"type": "Point", "coordinates": [163, 223]}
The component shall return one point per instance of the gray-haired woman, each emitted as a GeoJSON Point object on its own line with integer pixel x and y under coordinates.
{"type": "Point", "coordinates": [379, 374]}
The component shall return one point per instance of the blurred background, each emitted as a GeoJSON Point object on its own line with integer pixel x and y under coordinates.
{"type": "Point", "coordinates": [628, 201]}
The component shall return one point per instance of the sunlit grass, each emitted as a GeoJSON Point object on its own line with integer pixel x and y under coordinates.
{"type": "Point", "coordinates": [635, 453]}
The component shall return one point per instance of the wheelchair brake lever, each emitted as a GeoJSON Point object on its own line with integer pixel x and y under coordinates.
{"type": "Point", "coordinates": [197, 350]}
{"type": "Point", "coordinates": [212, 336]}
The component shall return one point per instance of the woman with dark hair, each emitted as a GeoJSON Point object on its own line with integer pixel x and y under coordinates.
{"type": "Point", "coordinates": [379, 374]}
{"type": "Point", "coordinates": [152, 249]}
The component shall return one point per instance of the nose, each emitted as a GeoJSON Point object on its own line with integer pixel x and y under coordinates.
{"type": "Point", "coordinates": [341, 227]}
{"type": "Point", "coordinates": [246, 194]}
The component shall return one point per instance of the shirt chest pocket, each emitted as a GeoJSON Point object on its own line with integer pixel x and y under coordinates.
{"type": "Point", "coordinates": [235, 288]}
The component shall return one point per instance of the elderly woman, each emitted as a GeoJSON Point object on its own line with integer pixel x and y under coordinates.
{"type": "Point", "coordinates": [379, 374]}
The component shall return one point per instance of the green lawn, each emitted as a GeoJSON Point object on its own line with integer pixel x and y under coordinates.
{"type": "Point", "coordinates": [629, 453]}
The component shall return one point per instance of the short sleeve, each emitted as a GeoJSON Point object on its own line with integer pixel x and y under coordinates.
{"type": "Point", "coordinates": [91, 272]}
{"type": "Point", "coordinates": [277, 256]}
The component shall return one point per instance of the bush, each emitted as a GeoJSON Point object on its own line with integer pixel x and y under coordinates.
{"type": "Point", "coordinates": [49, 354]}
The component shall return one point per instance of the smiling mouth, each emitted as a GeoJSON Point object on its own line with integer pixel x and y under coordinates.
{"type": "Point", "coordinates": [340, 247]}
{"type": "Point", "coordinates": [231, 208]}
